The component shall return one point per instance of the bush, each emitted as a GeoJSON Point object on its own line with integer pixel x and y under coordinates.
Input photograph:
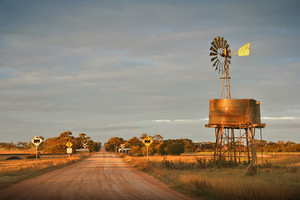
{"type": "Point", "coordinates": [175, 148]}
{"type": "Point", "coordinates": [13, 158]}
{"type": "Point", "coordinates": [31, 156]}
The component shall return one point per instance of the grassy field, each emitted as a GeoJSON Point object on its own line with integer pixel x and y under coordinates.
{"type": "Point", "coordinates": [13, 171]}
{"type": "Point", "coordinates": [277, 178]}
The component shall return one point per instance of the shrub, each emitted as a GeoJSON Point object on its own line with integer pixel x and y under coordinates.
{"type": "Point", "coordinates": [31, 156]}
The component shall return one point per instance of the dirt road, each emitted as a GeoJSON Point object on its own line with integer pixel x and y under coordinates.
{"type": "Point", "coordinates": [101, 176]}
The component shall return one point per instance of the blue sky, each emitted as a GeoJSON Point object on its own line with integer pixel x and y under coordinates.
{"type": "Point", "coordinates": [123, 68]}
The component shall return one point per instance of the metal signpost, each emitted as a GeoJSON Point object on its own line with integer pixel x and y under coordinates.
{"type": "Point", "coordinates": [36, 141]}
{"type": "Point", "coordinates": [147, 141]}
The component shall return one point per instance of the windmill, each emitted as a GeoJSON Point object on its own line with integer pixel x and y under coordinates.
{"type": "Point", "coordinates": [221, 58]}
{"type": "Point", "coordinates": [226, 114]}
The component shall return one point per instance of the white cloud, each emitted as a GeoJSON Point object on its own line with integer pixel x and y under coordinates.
{"type": "Point", "coordinates": [281, 118]}
{"type": "Point", "coordinates": [180, 120]}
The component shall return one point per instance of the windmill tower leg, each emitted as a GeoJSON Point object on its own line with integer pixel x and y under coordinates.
{"type": "Point", "coordinates": [233, 143]}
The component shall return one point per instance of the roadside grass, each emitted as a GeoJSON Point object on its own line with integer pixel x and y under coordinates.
{"type": "Point", "coordinates": [277, 178]}
{"type": "Point", "coordinates": [13, 171]}
{"type": "Point", "coordinates": [17, 151]}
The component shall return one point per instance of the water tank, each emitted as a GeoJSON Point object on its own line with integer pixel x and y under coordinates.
{"type": "Point", "coordinates": [234, 111]}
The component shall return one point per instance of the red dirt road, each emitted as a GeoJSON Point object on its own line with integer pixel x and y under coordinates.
{"type": "Point", "coordinates": [101, 176]}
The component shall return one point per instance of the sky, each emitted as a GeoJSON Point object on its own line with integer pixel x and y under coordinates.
{"type": "Point", "coordinates": [124, 68]}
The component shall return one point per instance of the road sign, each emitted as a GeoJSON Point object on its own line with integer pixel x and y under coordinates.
{"type": "Point", "coordinates": [147, 141]}
{"type": "Point", "coordinates": [36, 140]}
{"type": "Point", "coordinates": [84, 145]}
{"type": "Point", "coordinates": [69, 144]}
{"type": "Point", "coordinates": [69, 150]}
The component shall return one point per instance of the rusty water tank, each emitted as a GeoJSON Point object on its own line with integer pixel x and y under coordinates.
{"type": "Point", "coordinates": [234, 111]}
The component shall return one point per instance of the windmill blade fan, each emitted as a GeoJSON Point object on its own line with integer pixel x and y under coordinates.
{"type": "Point", "coordinates": [219, 53]}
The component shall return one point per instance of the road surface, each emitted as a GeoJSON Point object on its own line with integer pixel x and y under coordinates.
{"type": "Point", "coordinates": [101, 176]}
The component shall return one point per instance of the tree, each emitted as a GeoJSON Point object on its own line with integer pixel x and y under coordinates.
{"type": "Point", "coordinates": [93, 146]}
{"type": "Point", "coordinates": [189, 146]}
{"type": "Point", "coordinates": [157, 137]}
{"type": "Point", "coordinates": [58, 144]}
{"type": "Point", "coordinates": [143, 136]}
{"type": "Point", "coordinates": [160, 149]}
{"type": "Point", "coordinates": [174, 147]}
{"type": "Point", "coordinates": [133, 142]}
{"type": "Point", "coordinates": [135, 149]}
{"type": "Point", "coordinates": [65, 134]}
{"type": "Point", "coordinates": [112, 143]}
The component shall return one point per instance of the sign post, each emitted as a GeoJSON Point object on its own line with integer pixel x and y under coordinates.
{"type": "Point", "coordinates": [69, 149]}
{"type": "Point", "coordinates": [147, 141]}
{"type": "Point", "coordinates": [36, 141]}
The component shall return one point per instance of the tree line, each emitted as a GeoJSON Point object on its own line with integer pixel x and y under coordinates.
{"type": "Point", "coordinates": [159, 145]}
{"type": "Point", "coordinates": [57, 144]}
{"type": "Point", "coordinates": [178, 146]}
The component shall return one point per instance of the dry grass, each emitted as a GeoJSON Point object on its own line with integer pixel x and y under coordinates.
{"type": "Point", "coordinates": [16, 151]}
{"type": "Point", "coordinates": [176, 159]}
{"type": "Point", "coordinates": [12, 171]}
{"type": "Point", "coordinates": [278, 178]}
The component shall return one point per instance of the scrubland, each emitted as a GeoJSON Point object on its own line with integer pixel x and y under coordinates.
{"type": "Point", "coordinates": [13, 171]}
{"type": "Point", "coordinates": [277, 177]}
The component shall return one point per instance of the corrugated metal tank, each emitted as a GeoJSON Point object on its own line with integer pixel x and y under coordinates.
{"type": "Point", "coordinates": [234, 111]}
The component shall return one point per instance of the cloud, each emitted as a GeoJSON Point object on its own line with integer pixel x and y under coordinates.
{"type": "Point", "coordinates": [105, 66]}
{"type": "Point", "coordinates": [180, 120]}
{"type": "Point", "coordinates": [281, 118]}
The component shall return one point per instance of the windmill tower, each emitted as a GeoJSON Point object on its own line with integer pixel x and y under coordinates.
{"type": "Point", "coordinates": [227, 115]}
